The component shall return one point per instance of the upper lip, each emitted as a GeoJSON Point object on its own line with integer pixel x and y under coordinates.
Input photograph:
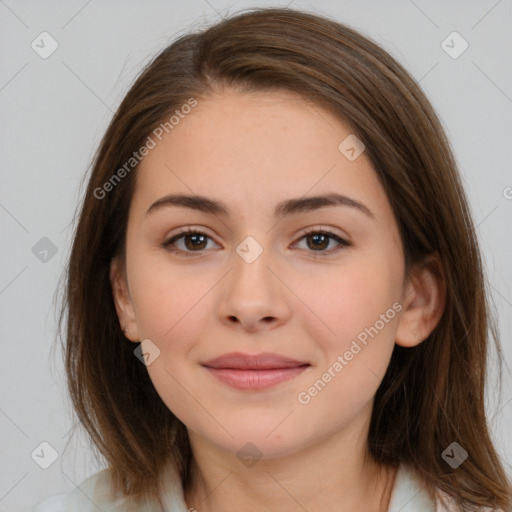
{"type": "Point", "coordinates": [262, 361]}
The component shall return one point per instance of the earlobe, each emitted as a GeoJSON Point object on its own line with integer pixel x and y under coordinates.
{"type": "Point", "coordinates": [122, 301]}
{"type": "Point", "coordinates": [424, 301]}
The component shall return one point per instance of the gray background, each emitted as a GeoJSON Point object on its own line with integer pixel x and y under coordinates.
{"type": "Point", "coordinates": [55, 110]}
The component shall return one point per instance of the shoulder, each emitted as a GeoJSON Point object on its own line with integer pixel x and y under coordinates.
{"type": "Point", "coordinates": [410, 495]}
{"type": "Point", "coordinates": [446, 503]}
{"type": "Point", "coordinates": [54, 504]}
{"type": "Point", "coordinates": [92, 494]}
{"type": "Point", "coordinates": [95, 493]}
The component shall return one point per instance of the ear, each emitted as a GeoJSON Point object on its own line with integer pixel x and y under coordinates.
{"type": "Point", "coordinates": [123, 301]}
{"type": "Point", "coordinates": [424, 300]}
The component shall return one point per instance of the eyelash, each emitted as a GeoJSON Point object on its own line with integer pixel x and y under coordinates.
{"type": "Point", "coordinates": [308, 232]}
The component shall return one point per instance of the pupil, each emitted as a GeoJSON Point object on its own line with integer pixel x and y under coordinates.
{"type": "Point", "coordinates": [196, 242]}
{"type": "Point", "coordinates": [317, 238]}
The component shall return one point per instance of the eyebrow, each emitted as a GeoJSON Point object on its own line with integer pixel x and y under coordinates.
{"type": "Point", "coordinates": [284, 208]}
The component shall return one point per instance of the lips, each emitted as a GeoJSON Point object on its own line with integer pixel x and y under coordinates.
{"type": "Point", "coordinates": [254, 372]}
{"type": "Point", "coordinates": [263, 361]}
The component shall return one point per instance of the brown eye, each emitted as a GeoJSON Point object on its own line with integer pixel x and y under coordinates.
{"type": "Point", "coordinates": [194, 241]}
{"type": "Point", "coordinates": [191, 241]}
{"type": "Point", "coordinates": [320, 241]}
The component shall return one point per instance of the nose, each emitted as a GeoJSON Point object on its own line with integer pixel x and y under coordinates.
{"type": "Point", "coordinates": [254, 296]}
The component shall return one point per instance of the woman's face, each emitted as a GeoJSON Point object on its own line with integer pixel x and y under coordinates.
{"type": "Point", "coordinates": [260, 277]}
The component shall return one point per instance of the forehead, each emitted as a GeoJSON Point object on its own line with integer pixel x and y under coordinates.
{"type": "Point", "coordinates": [256, 149]}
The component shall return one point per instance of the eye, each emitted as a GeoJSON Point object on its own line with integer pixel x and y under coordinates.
{"type": "Point", "coordinates": [193, 241]}
{"type": "Point", "coordinates": [318, 240]}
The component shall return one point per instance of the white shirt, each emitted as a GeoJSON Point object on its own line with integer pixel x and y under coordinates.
{"type": "Point", "coordinates": [408, 495]}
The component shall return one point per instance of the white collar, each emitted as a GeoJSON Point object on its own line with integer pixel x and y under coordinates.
{"type": "Point", "coordinates": [408, 495]}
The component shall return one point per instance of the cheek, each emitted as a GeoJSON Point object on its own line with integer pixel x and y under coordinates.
{"type": "Point", "coordinates": [345, 300]}
{"type": "Point", "coordinates": [355, 358]}
{"type": "Point", "coordinates": [357, 306]}
{"type": "Point", "coordinates": [167, 300]}
{"type": "Point", "coordinates": [170, 310]}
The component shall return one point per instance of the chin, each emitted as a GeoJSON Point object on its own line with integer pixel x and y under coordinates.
{"type": "Point", "coordinates": [264, 441]}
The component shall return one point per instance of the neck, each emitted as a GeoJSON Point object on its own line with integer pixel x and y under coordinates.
{"type": "Point", "coordinates": [315, 479]}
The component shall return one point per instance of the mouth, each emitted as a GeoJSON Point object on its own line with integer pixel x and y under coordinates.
{"type": "Point", "coordinates": [254, 372]}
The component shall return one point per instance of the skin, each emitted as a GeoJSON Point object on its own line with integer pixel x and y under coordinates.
{"type": "Point", "coordinates": [251, 152]}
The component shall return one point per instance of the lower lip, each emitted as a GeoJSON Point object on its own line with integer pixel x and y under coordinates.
{"type": "Point", "coordinates": [255, 379]}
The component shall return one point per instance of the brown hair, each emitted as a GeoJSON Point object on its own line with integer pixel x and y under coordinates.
{"type": "Point", "coordinates": [432, 394]}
